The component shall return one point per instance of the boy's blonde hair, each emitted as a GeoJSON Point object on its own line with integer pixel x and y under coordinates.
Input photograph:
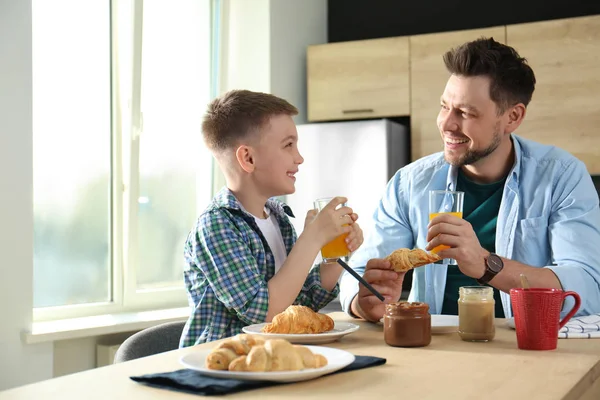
{"type": "Point", "coordinates": [237, 115]}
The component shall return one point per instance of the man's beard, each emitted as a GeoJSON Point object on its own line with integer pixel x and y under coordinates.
{"type": "Point", "coordinates": [473, 156]}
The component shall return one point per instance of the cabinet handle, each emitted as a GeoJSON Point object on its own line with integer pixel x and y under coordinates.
{"type": "Point", "coordinates": [361, 110]}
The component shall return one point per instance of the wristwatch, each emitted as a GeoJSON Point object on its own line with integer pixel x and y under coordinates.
{"type": "Point", "coordinates": [493, 265]}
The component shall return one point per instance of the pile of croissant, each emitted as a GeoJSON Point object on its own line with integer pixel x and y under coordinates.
{"type": "Point", "coordinates": [249, 353]}
{"type": "Point", "coordinates": [299, 320]}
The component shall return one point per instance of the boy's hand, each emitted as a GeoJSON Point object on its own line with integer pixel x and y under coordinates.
{"type": "Point", "coordinates": [310, 216]}
{"type": "Point", "coordinates": [355, 237]}
{"type": "Point", "coordinates": [330, 223]}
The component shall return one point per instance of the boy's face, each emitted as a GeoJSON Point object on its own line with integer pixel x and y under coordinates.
{"type": "Point", "coordinates": [276, 157]}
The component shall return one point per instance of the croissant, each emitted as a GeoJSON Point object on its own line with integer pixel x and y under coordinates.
{"type": "Point", "coordinates": [298, 320]}
{"type": "Point", "coordinates": [278, 355]}
{"type": "Point", "coordinates": [403, 260]}
{"type": "Point", "coordinates": [228, 350]}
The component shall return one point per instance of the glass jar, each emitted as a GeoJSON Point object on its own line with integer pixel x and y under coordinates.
{"type": "Point", "coordinates": [407, 324]}
{"type": "Point", "coordinates": [476, 313]}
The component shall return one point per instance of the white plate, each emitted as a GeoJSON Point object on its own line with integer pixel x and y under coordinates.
{"type": "Point", "coordinates": [336, 360]}
{"type": "Point", "coordinates": [442, 323]}
{"type": "Point", "coordinates": [339, 329]}
{"type": "Point", "coordinates": [510, 322]}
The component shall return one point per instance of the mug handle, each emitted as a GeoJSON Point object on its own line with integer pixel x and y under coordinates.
{"type": "Point", "coordinates": [573, 310]}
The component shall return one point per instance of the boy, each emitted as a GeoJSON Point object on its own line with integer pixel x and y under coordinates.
{"type": "Point", "coordinates": [244, 264]}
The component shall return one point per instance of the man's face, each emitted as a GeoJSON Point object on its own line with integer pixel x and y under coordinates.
{"type": "Point", "coordinates": [468, 121]}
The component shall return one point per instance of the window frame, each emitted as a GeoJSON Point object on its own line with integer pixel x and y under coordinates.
{"type": "Point", "coordinates": [124, 191]}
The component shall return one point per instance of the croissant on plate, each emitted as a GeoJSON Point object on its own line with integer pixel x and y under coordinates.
{"type": "Point", "coordinates": [278, 355]}
{"type": "Point", "coordinates": [266, 356]}
{"type": "Point", "coordinates": [403, 260]}
{"type": "Point", "coordinates": [228, 350]}
{"type": "Point", "coordinates": [299, 320]}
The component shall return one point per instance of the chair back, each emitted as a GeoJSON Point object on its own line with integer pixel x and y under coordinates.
{"type": "Point", "coordinates": [153, 340]}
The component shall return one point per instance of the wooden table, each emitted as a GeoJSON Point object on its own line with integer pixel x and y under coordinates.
{"type": "Point", "coordinates": [446, 369]}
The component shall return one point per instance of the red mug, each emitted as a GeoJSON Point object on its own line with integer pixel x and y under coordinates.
{"type": "Point", "coordinates": [537, 316]}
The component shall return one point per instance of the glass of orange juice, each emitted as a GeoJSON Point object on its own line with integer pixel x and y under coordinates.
{"type": "Point", "coordinates": [445, 202]}
{"type": "Point", "coordinates": [337, 248]}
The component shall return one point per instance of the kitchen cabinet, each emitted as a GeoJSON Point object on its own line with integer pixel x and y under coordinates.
{"type": "Point", "coordinates": [358, 79]}
{"type": "Point", "coordinates": [565, 109]}
{"type": "Point", "coordinates": [402, 76]}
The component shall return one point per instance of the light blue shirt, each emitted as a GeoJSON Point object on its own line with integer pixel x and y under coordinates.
{"type": "Point", "coordinates": [549, 218]}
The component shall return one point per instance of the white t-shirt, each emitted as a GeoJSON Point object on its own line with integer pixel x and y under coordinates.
{"type": "Point", "coordinates": [271, 232]}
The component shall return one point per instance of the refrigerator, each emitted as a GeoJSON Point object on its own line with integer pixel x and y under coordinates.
{"type": "Point", "coordinates": [355, 159]}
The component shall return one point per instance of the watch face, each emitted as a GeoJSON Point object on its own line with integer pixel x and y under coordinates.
{"type": "Point", "coordinates": [495, 263]}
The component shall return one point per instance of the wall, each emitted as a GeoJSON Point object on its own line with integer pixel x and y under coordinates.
{"type": "Point", "coordinates": [19, 363]}
{"type": "Point", "coordinates": [294, 25]}
{"type": "Point", "coordinates": [245, 45]}
{"type": "Point", "coordinates": [80, 354]}
{"type": "Point", "coordinates": [264, 46]}
{"type": "Point", "coordinates": [264, 49]}
{"type": "Point", "coordinates": [359, 19]}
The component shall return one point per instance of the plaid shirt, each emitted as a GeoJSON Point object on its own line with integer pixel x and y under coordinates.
{"type": "Point", "coordinates": [228, 265]}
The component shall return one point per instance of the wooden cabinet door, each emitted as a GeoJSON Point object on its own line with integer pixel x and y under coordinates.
{"type": "Point", "coordinates": [428, 77]}
{"type": "Point", "coordinates": [565, 108]}
{"type": "Point", "coordinates": [358, 79]}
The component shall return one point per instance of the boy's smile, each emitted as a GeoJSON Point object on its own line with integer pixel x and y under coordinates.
{"type": "Point", "coordinates": [291, 175]}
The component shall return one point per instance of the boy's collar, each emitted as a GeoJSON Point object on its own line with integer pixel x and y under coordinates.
{"type": "Point", "coordinates": [226, 199]}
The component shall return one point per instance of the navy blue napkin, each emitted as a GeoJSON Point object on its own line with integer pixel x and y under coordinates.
{"type": "Point", "coordinates": [190, 381]}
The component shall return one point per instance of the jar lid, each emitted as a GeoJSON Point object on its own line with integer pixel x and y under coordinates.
{"type": "Point", "coordinates": [403, 307]}
{"type": "Point", "coordinates": [476, 292]}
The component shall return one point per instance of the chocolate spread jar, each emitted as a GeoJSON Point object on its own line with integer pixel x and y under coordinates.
{"type": "Point", "coordinates": [407, 324]}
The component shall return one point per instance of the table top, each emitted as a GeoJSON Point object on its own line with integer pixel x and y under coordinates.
{"type": "Point", "coordinates": [448, 368]}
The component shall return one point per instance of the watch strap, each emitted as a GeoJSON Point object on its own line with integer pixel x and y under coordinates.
{"type": "Point", "coordinates": [488, 276]}
{"type": "Point", "coordinates": [489, 272]}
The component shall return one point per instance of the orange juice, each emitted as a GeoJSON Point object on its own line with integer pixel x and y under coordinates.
{"type": "Point", "coordinates": [336, 248]}
{"type": "Point", "coordinates": [432, 216]}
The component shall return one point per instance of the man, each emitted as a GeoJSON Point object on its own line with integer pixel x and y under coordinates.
{"type": "Point", "coordinates": [529, 208]}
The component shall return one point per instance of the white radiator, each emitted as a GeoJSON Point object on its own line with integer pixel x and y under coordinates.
{"type": "Point", "coordinates": [105, 354]}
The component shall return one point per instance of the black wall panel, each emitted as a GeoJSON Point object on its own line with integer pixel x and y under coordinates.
{"type": "Point", "coordinates": [369, 19]}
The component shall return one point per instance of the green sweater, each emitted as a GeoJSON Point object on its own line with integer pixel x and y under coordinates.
{"type": "Point", "coordinates": [480, 208]}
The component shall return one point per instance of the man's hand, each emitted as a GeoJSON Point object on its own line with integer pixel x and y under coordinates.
{"type": "Point", "coordinates": [465, 248]}
{"type": "Point", "coordinates": [379, 274]}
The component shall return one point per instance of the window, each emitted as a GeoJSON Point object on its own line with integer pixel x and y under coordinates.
{"type": "Point", "coordinates": [71, 152]}
{"type": "Point", "coordinates": [120, 170]}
